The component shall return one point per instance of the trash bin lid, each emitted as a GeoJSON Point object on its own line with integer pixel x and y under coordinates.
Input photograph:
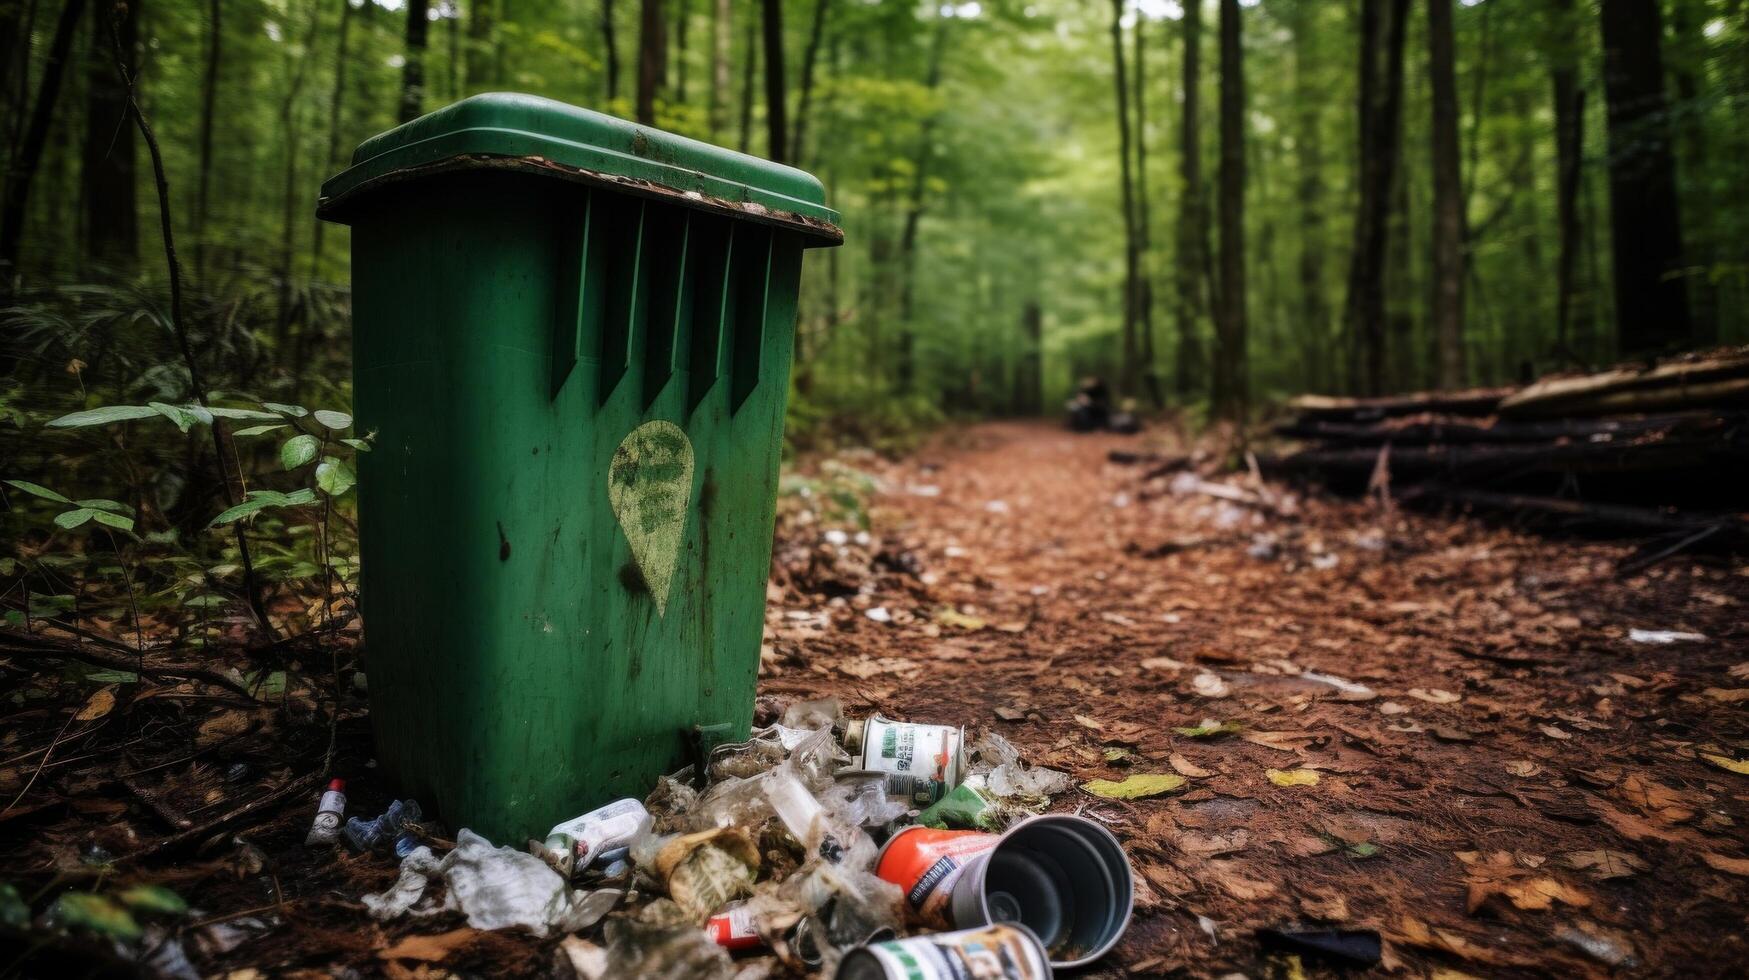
{"type": "Point", "coordinates": [526, 133]}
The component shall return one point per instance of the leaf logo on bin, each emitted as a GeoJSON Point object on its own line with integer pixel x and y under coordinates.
{"type": "Point", "coordinates": [650, 484]}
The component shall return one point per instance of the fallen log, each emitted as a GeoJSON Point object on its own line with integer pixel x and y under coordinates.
{"type": "Point", "coordinates": [1469, 463]}
{"type": "Point", "coordinates": [1582, 511]}
{"type": "Point", "coordinates": [1476, 401]}
{"type": "Point", "coordinates": [1700, 382]}
{"type": "Point", "coordinates": [1422, 430]}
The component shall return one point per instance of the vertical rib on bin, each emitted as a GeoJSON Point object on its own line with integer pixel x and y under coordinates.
{"type": "Point", "coordinates": [668, 249]}
{"type": "Point", "coordinates": [752, 288]}
{"type": "Point", "coordinates": [713, 305]}
{"type": "Point", "coordinates": [581, 285]}
{"type": "Point", "coordinates": [628, 299]}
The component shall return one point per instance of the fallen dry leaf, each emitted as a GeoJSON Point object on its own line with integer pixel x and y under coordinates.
{"type": "Point", "coordinates": [433, 948]}
{"type": "Point", "coordinates": [1729, 695]}
{"type": "Point", "coordinates": [1730, 865]}
{"type": "Point", "coordinates": [101, 702]}
{"type": "Point", "coordinates": [1553, 732]}
{"type": "Point", "coordinates": [1500, 873]}
{"type": "Point", "coordinates": [1723, 762]}
{"type": "Point", "coordinates": [1292, 777]}
{"type": "Point", "coordinates": [1279, 741]}
{"type": "Point", "coordinates": [1086, 722]}
{"type": "Point", "coordinates": [1184, 767]}
{"type": "Point", "coordinates": [1655, 798]}
{"type": "Point", "coordinates": [1324, 905]}
{"type": "Point", "coordinates": [1604, 864]}
{"type": "Point", "coordinates": [1213, 845]}
{"type": "Point", "coordinates": [1392, 708]}
{"type": "Point", "coordinates": [1434, 695]}
{"type": "Point", "coordinates": [1135, 787]}
{"type": "Point", "coordinates": [1523, 768]}
{"type": "Point", "coordinates": [1240, 887]}
{"type": "Point", "coordinates": [1161, 663]}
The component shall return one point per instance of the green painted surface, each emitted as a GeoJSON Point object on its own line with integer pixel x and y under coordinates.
{"type": "Point", "coordinates": [566, 524]}
{"type": "Point", "coordinates": [509, 125]}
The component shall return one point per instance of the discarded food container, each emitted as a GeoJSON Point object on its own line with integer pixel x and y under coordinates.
{"type": "Point", "coordinates": [325, 829]}
{"type": "Point", "coordinates": [922, 762]}
{"type": "Point", "coordinates": [1066, 878]}
{"type": "Point", "coordinates": [578, 842]}
{"type": "Point", "coordinates": [993, 952]}
{"type": "Point", "coordinates": [572, 338]}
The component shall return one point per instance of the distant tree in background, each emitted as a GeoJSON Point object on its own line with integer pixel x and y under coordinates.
{"type": "Point", "coordinates": [1651, 293]}
{"type": "Point", "coordinates": [1232, 391]}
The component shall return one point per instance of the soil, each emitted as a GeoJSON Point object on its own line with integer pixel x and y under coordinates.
{"type": "Point", "coordinates": [1499, 780]}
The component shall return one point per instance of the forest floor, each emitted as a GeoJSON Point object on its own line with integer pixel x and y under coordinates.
{"type": "Point", "coordinates": [1510, 785]}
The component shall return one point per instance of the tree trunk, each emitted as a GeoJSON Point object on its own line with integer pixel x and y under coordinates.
{"type": "Point", "coordinates": [336, 102]}
{"type": "Point", "coordinates": [36, 136]}
{"type": "Point", "coordinates": [1569, 100]}
{"type": "Point", "coordinates": [775, 125]}
{"type": "Point", "coordinates": [651, 50]}
{"type": "Point", "coordinates": [914, 216]}
{"type": "Point", "coordinates": [1690, 117]}
{"type": "Point", "coordinates": [16, 40]}
{"type": "Point", "coordinates": [610, 50]}
{"type": "Point", "coordinates": [1144, 242]}
{"type": "Point", "coordinates": [1192, 256]}
{"type": "Point", "coordinates": [805, 97]}
{"type": "Point", "coordinates": [749, 70]}
{"type": "Point", "coordinates": [111, 222]}
{"type": "Point", "coordinates": [722, 23]}
{"type": "Point", "coordinates": [1651, 296]}
{"type": "Point", "coordinates": [1381, 103]}
{"type": "Point", "coordinates": [1308, 145]}
{"type": "Point", "coordinates": [209, 97]}
{"type": "Point", "coordinates": [1232, 366]}
{"type": "Point", "coordinates": [1126, 382]}
{"type": "Point", "coordinates": [1028, 373]}
{"type": "Point", "coordinates": [481, 59]}
{"type": "Point", "coordinates": [681, 16]}
{"type": "Point", "coordinates": [1448, 200]}
{"type": "Point", "coordinates": [413, 72]}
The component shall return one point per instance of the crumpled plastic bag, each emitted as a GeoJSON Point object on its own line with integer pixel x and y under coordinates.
{"type": "Point", "coordinates": [1006, 776]}
{"type": "Point", "coordinates": [495, 887]}
{"type": "Point", "coordinates": [822, 713]}
{"type": "Point", "coordinates": [662, 943]}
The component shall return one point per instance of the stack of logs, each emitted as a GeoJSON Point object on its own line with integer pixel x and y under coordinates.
{"type": "Point", "coordinates": [1654, 448]}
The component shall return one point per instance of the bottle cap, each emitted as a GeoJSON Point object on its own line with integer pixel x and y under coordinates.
{"type": "Point", "coordinates": [337, 785]}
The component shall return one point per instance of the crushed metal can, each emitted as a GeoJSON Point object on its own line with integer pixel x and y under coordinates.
{"type": "Point", "coordinates": [921, 762]}
{"type": "Point", "coordinates": [1065, 878]}
{"type": "Point", "coordinates": [994, 952]}
{"type": "Point", "coordinates": [734, 929]}
{"type": "Point", "coordinates": [579, 842]}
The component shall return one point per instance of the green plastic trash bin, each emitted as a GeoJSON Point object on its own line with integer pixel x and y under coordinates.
{"type": "Point", "coordinates": [572, 338]}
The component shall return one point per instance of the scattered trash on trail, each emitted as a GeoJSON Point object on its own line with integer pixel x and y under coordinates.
{"type": "Point", "coordinates": [772, 851]}
{"type": "Point", "coordinates": [495, 887]}
{"type": "Point", "coordinates": [1358, 948]}
{"type": "Point", "coordinates": [965, 878]}
{"type": "Point", "coordinates": [580, 841]}
{"type": "Point", "coordinates": [1606, 951]}
{"type": "Point", "coordinates": [368, 835]}
{"type": "Point", "coordinates": [1664, 637]}
{"type": "Point", "coordinates": [326, 827]}
{"type": "Point", "coordinates": [997, 952]}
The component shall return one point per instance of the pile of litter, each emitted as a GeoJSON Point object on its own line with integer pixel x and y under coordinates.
{"type": "Point", "coordinates": [814, 846]}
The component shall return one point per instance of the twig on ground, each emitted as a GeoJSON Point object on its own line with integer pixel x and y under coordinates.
{"type": "Point", "coordinates": [35, 645]}
{"type": "Point", "coordinates": [196, 834]}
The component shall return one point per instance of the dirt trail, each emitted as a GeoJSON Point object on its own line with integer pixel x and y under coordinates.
{"type": "Point", "coordinates": [1523, 776]}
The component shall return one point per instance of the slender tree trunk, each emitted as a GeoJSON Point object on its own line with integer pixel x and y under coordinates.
{"type": "Point", "coordinates": [36, 136]}
{"type": "Point", "coordinates": [111, 222]}
{"type": "Point", "coordinates": [610, 49]}
{"type": "Point", "coordinates": [775, 125]}
{"type": "Point", "coordinates": [651, 49]}
{"type": "Point", "coordinates": [336, 102]}
{"type": "Point", "coordinates": [209, 97]}
{"type": "Point", "coordinates": [1569, 100]}
{"type": "Point", "coordinates": [681, 16]}
{"type": "Point", "coordinates": [907, 263]}
{"type": "Point", "coordinates": [1314, 312]}
{"type": "Point", "coordinates": [1144, 241]}
{"type": "Point", "coordinates": [482, 28]}
{"type": "Point", "coordinates": [749, 70]}
{"type": "Point", "coordinates": [1029, 374]}
{"type": "Point", "coordinates": [1691, 132]}
{"type": "Point", "coordinates": [1651, 296]}
{"type": "Point", "coordinates": [1381, 93]}
{"type": "Point", "coordinates": [1192, 257]}
{"type": "Point", "coordinates": [413, 72]}
{"type": "Point", "coordinates": [815, 33]}
{"type": "Point", "coordinates": [1232, 390]}
{"type": "Point", "coordinates": [722, 23]}
{"type": "Point", "coordinates": [452, 87]}
{"type": "Point", "coordinates": [1126, 382]}
{"type": "Point", "coordinates": [1448, 200]}
{"type": "Point", "coordinates": [15, 74]}
{"type": "Point", "coordinates": [291, 129]}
